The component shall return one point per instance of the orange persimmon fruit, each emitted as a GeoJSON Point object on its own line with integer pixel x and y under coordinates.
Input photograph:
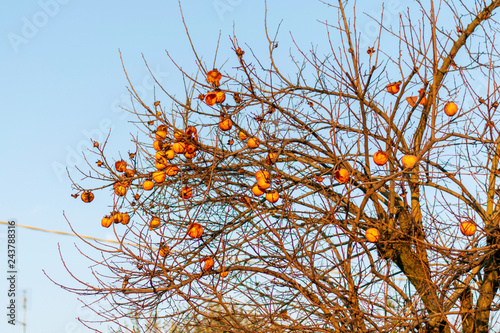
{"type": "Point", "coordinates": [468, 228]}
{"type": "Point", "coordinates": [87, 196]}
{"type": "Point", "coordinates": [195, 230]}
{"type": "Point", "coordinates": [342, 176]}
{"type": "Point", "coordinates": [380, 158]}
{"type": "Point", "coordinates": [450, 109]}
{"type": "Point", "coordinates": [372, 235]}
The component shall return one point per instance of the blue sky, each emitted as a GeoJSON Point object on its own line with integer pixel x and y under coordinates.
{"type": "Point", "coordinates": [62, 82]}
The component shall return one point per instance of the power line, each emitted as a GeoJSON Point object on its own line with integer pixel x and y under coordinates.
{"type": "Point", "coordinates": [62, 233]}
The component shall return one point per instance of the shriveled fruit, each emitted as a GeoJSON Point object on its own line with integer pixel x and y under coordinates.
{"type": "Point", "coordinates": [210, 98]}
{"type": "Point", "coordinates": [393, 88]}
{"type": "Point", "coordinates": [117, 217]}
{"type": "Point", "coordinates": [271, 158]}
{"type": "Point", "coordinates": [186, 192]}
{"type": "Point", "coordinates": [207, 264]}
{"type": "Point", "coordinates": [189, 155]}
{"type": "Point", "coordinates": [172, 170]}
{"type": "Point", "coordinates": [191, 130]}
{"type": "Point", "coordinates": [120, 166]}
{"type": "Point", "coordinates": [213, 77]}
{"type": "Point", "coordinates": [191, 149]}
{"type": "Point", "coordinates": [423, 101]}
{"type": "Point", "coordinates": [342, 176]}
{"type": "Point", "coordinates": [164, 250]}
{"type": "Point", "coordinates": [179, 147]}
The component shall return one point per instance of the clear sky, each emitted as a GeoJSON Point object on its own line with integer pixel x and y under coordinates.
{"type": "Point", "coordinates": [61, 82]}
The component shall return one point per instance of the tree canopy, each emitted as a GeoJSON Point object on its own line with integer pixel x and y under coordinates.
{"type": "Point", "coordinates": [356, 194]}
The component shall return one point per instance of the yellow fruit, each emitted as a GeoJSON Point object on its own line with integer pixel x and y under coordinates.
{"type": "Point", "coordinates": [148, 185]}
{"type": "Point", "coordinates": [160, 135]}
{"type": "Point", "coordinates": [271, 158]}
{"type": "Point", "coordinates": [253, 143]}
{"type": "Point", "coordinates": [125, 218]}
{"type": "Point", "coordinates": [159, 176]}
{"type": "Point", "coordinates": [242, 136]}
{"type": "Point", "coordinates": [450, 109]}
{"type": "Point", "coordinates": [172, 170]}
{"type": "Point", "coordinates": [257, 191]}
{"type": "Point", "coordinates": [261, 174]}
{"type": "Point", "coordinates": [169, 154]}
{"type": "Point", "coordinates": [380, 158]}
{"type": "Point", "coordinates": [161, 163]}
{"type": "Point", "coordinates": [120, 189]}
{"type": "Point", "coordinates": [468, 228]}
{"type": "Point", "coordinates": [106, 222]}
{"type": "Point", "coordinates": [220, 97]}
{"type": "Point", "coordinates": [157, 145]}
{"type": "Point", "coordinates": [179, 147]}
{"type": "Point", "coordinates": [409, 161]}
{"type": "Point", "coordinates": [154, 223]}
{"type": "Point", "coordinates": [178, 134]}
{"type": "Point", "coordinates": [263, 183]}
{"type": "Point", "coordinates": [372, 235]}
{"type": "Point", "coordinates": [272, 196]}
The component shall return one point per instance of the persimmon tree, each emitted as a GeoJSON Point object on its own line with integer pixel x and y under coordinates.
{"type": "Point", "coordinates": [356, 194]}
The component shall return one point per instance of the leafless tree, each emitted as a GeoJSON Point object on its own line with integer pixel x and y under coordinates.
{"type": "Point", "coordinates": [354, 243]}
